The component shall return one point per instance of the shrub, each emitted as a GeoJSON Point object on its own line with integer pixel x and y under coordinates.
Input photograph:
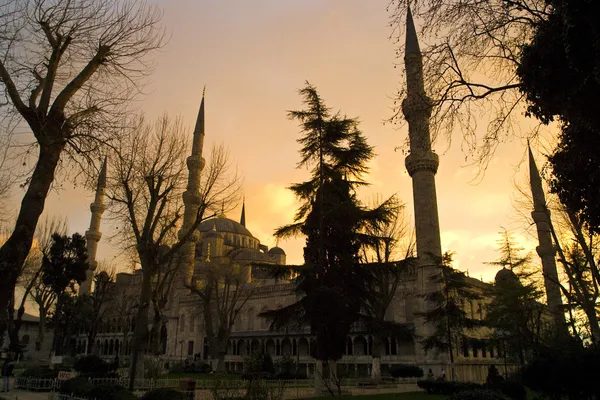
{"type": "Point", "coordinates": [40, 373]}
{"type": "Point", "coordinates": [91, 366]}
{"type": "Point", "coordinates": [479, 394]}
{"type": "Point", "coordinates": [164, 394]}
{"type": "Point", "coordinates": [80, 387]}
{"type": "Point", "coordinates": [111, 392]}
{"type": "Point", "coordinates": [406, 371]}
{"type": "Point", "coordinates": [513, 389]}
{"type": "Point", "coordinates": [447, 387]}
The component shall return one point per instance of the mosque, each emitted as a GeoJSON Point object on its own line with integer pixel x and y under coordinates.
{"type": "Point", "coordinates": [183, 336]}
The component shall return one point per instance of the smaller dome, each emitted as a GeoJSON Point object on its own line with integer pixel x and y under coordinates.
{"type": "Point", "coordinates": [210, 234]}
{"type": "Point", "coordinates": [505, 276]}
{"type": "Point", "coordinates": [276, 251]}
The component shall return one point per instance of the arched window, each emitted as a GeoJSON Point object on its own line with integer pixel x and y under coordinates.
{"type": "Point", "coordinates": [182, 323]}
{"type": "Point", "coordinates": [111, 347]}
{"type": "Point", "coordinates": [117, 347]}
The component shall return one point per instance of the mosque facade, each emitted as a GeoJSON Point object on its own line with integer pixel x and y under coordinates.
{"type": "Point", "coordinates": [183, 335]}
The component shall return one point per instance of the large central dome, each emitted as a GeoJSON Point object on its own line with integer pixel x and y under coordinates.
{"type": "Point", "coordinates": [225, 225]}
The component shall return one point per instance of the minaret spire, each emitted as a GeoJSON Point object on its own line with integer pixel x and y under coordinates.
{"type": "Point", "coordinates": [191, 197]}
{"type": "Point", "coordinates": [412, 43]}
{"type": "Point", "coordinates": [243, 216]}
{"type": "Point", "coordinates": [421, 164]}
{"type": "Point", "coordinates": [93, 234]}
{"type": "Point", "coordinates": [546, 249]}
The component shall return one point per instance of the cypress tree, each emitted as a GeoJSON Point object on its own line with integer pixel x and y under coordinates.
{"type": "Point", "coordinates": [333, 287]}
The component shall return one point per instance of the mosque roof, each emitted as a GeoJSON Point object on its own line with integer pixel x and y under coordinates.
{"type": "Point", "coordinates": [252, 255]}
{"type": "Point", "coordinates": [222, 224]}
{"type": "Point", "coordinates": [506, 275]}
{"type": "Point", "coordinates": [276, 250]}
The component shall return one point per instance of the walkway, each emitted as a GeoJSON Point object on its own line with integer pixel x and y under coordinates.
{"type": "Point", "coordinates": [23, 395]}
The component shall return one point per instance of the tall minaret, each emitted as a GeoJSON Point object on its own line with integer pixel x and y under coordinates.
{"type": "Point", "coordinates": [191, 197]}
{"type": "Point", "coordinates": [546, 249]}
{"type": "Point", "coordinates": [93, 234]}
{"type": "Point", "coordinates": [422, 164]}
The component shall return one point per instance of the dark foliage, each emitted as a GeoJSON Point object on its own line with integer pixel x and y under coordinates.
{"type": "Point", "coordinates": [66, 263]}
{"type": "Point", "coordinates": [40, 373]}
{"type": "Point", "coordinates": [513, 389]}
{"type": "Point", "coordinates": [191, 368]}
{"type": "Point", "coordinates": [64, 267]}
{"type": "Point", "coordinates": [92, 366]}
{"type": "Point", "coordinates": [406, 371]}
{"type": "Point", "coordinates": [479, 394]}
{"type": "Point", "coordinates": [446, 387]}
{"type": "Point", "coordinates": [164, 394]}
{"type": "Point", "coordinates": [563, 371]}
{"type": "Point", "coordinates": [560, 77]}
{"type": "Point", "coordinates": [332, 287]}
{"type": "Point", "coordinates": [447, 314]}
{"type": "Point", "coordinates": [291, 375]}
{"type": "Point", "coordinates": [111, 392]}
{"type": "Point", "coordinates": [79, 387]}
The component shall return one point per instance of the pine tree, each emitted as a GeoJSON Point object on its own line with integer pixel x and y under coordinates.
{"type": "Point", "coordinates": [63, 268]}
{"type": "Point", "coordinates": [447, 314]}
{"type": "Point", "coordinates": [332, 286]}
{"type": "Point", "coordinates": [515, 311]}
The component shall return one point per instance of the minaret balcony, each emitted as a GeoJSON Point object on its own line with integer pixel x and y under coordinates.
{"type": "Point", "coordinates": [195, 161]}
{"type": "Point", "coordinates": [428, 161]}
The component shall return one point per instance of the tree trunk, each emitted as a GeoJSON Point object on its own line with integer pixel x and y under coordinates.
{"type": "Point", "coordinates": [15, 250]}
{"type": "Point", "coordinates": [593, 321]}
{"type": "Point", "coordinates": [57, 327]}
{"type": "Point", "coordinates": [318, 389]}
{"type": "Point", "coordinates": [139, 341]}
{"type": "Point", "coordinates": [221, 352]}
{"type": "Point", "coordinates": [376, 354]}
{"type": "Point", "coordinates": [41, 330]}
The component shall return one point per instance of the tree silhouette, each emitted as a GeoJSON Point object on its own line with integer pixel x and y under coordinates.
{"type": "Point", "coordinates": [332, 286]}
{"type": "Point", "coordinates": [64, 267]}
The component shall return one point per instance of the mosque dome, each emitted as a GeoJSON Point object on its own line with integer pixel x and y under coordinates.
{"type": "Point", "coordinates": [223, 225]}
{"type": "Point", "coordinates": [276, 251]}
{"type": "Point", "coordinates": [505, 276]}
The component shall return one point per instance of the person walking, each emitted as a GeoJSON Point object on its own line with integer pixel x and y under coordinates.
{"type": "Point", "coordinates": [7, 370]}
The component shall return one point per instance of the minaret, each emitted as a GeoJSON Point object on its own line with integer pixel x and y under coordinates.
{"type": "Point", "coordinates": [191, 197]}
{"type": "Point", "coordinates": [243, 216]}
{"type": "Point", "coordinates": [546, 249]}
{"type": "Point", "coordinates": [422, 164]}
{"type": "Point", "coordinates": [93, 234]}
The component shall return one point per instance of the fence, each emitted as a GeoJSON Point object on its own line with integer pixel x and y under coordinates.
{"type": "Point", "coordinates": [205, 389]}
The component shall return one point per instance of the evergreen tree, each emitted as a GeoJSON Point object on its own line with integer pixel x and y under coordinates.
{"type": "Point", "coordinates": [447, 313]}
{"type": "Point", "coordinates": [64, 267]}
{"type": "Point", "coordinates": [333, 288]}
{"type": "Point", "coordinates": [515, 311]}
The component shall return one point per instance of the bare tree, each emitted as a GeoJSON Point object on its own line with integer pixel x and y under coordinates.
{"type": "Point", "coordinates": [223, 291]}
{"type": "Point", "coordinates": [577, 254]}
{"type": "Point", "coordinates": [98, 304]}
{"type": "Point", "coordinates": [68, 69]}
{"type": "Point", "coordinates": [470, 62]}
{"type": "Point", "coordinates": [30, 276]}
{"type": "Point", "coordinates": [145, 197]}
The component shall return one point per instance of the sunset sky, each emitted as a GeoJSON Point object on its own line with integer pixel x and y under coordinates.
{"type": "Point", "coordinates": [253, 56]}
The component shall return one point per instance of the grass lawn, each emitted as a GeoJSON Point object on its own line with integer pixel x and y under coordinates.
{"type": "Point", "coordinates": [389, 396]}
